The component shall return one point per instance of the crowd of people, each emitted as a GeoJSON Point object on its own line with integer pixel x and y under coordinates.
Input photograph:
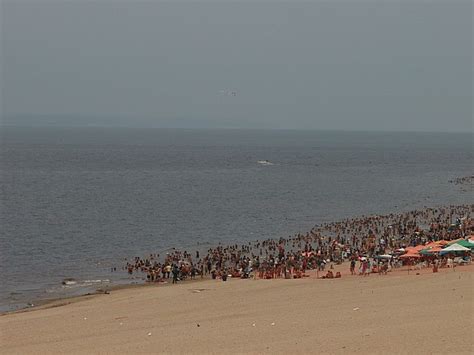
{"type": "Point", "coordinates": [465, 180]}
{"type": "Point", "coordinates": [359, 240]}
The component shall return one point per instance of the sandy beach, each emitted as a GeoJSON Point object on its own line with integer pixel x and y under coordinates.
{"type": "Point", "coordinates": [396, 313]}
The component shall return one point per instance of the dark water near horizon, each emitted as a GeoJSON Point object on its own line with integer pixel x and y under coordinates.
{"type": "Point", "coordinates": [77, 201]}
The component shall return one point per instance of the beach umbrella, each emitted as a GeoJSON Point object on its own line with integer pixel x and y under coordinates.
{"type": "Point", "coordinates": [384, 256]}
{"type": "Point", "coordinates": [430, 251]}
{"type": "Point", "coordinates": [415, 249]}
{"type": "Point", "coordinates": [454, 248]}
{"type": "Point", "coordinates": [465, 243]}
{"type": "Point", "coordinates": [432, 245]}
{"type": "Point", "coordinates": [455, 241]}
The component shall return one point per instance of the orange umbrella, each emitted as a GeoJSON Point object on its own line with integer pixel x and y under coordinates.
{"type": "Point", "coordinates": [415, 249]}
{"type": "Point", "coordinates": [431, 245]}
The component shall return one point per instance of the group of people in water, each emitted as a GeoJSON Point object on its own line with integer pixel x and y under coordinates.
{"type": "Point", "coordinates": [360, 240]}
{"type": "Point", "coordinates": [465, 180]}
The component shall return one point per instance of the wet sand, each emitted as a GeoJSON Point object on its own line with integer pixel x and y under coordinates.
{"type": "Point", "coordinates": [397, 313]}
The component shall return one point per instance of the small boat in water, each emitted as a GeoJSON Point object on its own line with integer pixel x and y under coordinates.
{"type": "Point", "coordinates": [264, 162]}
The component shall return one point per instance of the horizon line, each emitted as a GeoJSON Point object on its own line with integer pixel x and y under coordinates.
{"type": "Point", "coordinates": [59, 125]}
{"type": "Point", "coordinates": [7, 120]}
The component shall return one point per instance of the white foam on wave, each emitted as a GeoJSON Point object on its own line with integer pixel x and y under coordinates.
{"type": "Point", "coordinates": [75, 284]}
{"type": "Point", "coordinates": [96, 281]}
{"type": "Point", "coordinates": [264, 162]}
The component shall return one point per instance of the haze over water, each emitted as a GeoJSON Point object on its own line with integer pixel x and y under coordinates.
{"type": "Point", "coordinates": [76, 201]}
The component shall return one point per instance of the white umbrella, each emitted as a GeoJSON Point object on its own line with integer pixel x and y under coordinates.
{"type": "Point", "coordinates": [385, 256]}
{"type": "Point", "coordinates": [454, 248]}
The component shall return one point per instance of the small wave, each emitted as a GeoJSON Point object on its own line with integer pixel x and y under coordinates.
{"type": "Point", "coordinates": [264, 162]}
{"type": "Point", "coordinates": [96, 281]}
{"type": "Point", "coordinates": [67, 284]}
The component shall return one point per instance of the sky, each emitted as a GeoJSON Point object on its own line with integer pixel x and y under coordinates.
{"type": "Point", "coordinates": [350, 65]}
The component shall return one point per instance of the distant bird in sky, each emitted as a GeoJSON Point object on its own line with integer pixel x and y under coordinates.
{"type": "Point", "coordinates": [228, 92]}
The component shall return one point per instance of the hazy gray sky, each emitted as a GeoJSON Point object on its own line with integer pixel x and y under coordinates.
{"type": "Point", "coordinates": [377, 65]}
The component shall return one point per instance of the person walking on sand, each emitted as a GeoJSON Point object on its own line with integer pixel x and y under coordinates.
{"type": "Point", "coordinates": [363, 267]}
{"type": "Point", "coordinates": [175, 274]}
{"type": "Point", "coordinates": [168, 270]}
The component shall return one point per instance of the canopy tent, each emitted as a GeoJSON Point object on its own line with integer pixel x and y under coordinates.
{"type": "Point", "coordinates": [465, 243]}
{"type": "Point", "coordinates": [431, 251]}
{"type": "Point", "coordinates": [454, 248]}
{"type": "Point", "coordinates": [431, 245]}
{"type": "Point", "coordinates": [415, 249]}
{"type": "Point", "coordinates": [455, 241]}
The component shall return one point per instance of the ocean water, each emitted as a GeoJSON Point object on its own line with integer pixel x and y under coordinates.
{"type": "Point", "coordinates": [77, 201]}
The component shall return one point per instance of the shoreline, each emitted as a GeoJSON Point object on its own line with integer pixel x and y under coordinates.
{"type": "Point", "coordinates": [311, 274]}
{"type": "Point", "coordinates": [64, 301]}
{"type": "Point", "coordinates": [356, 314]}
{"type": "Point", "coordinates": [319, 237]}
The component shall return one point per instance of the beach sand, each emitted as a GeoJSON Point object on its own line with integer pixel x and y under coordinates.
{"type": "Point", "coordinates": [397, 313]}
